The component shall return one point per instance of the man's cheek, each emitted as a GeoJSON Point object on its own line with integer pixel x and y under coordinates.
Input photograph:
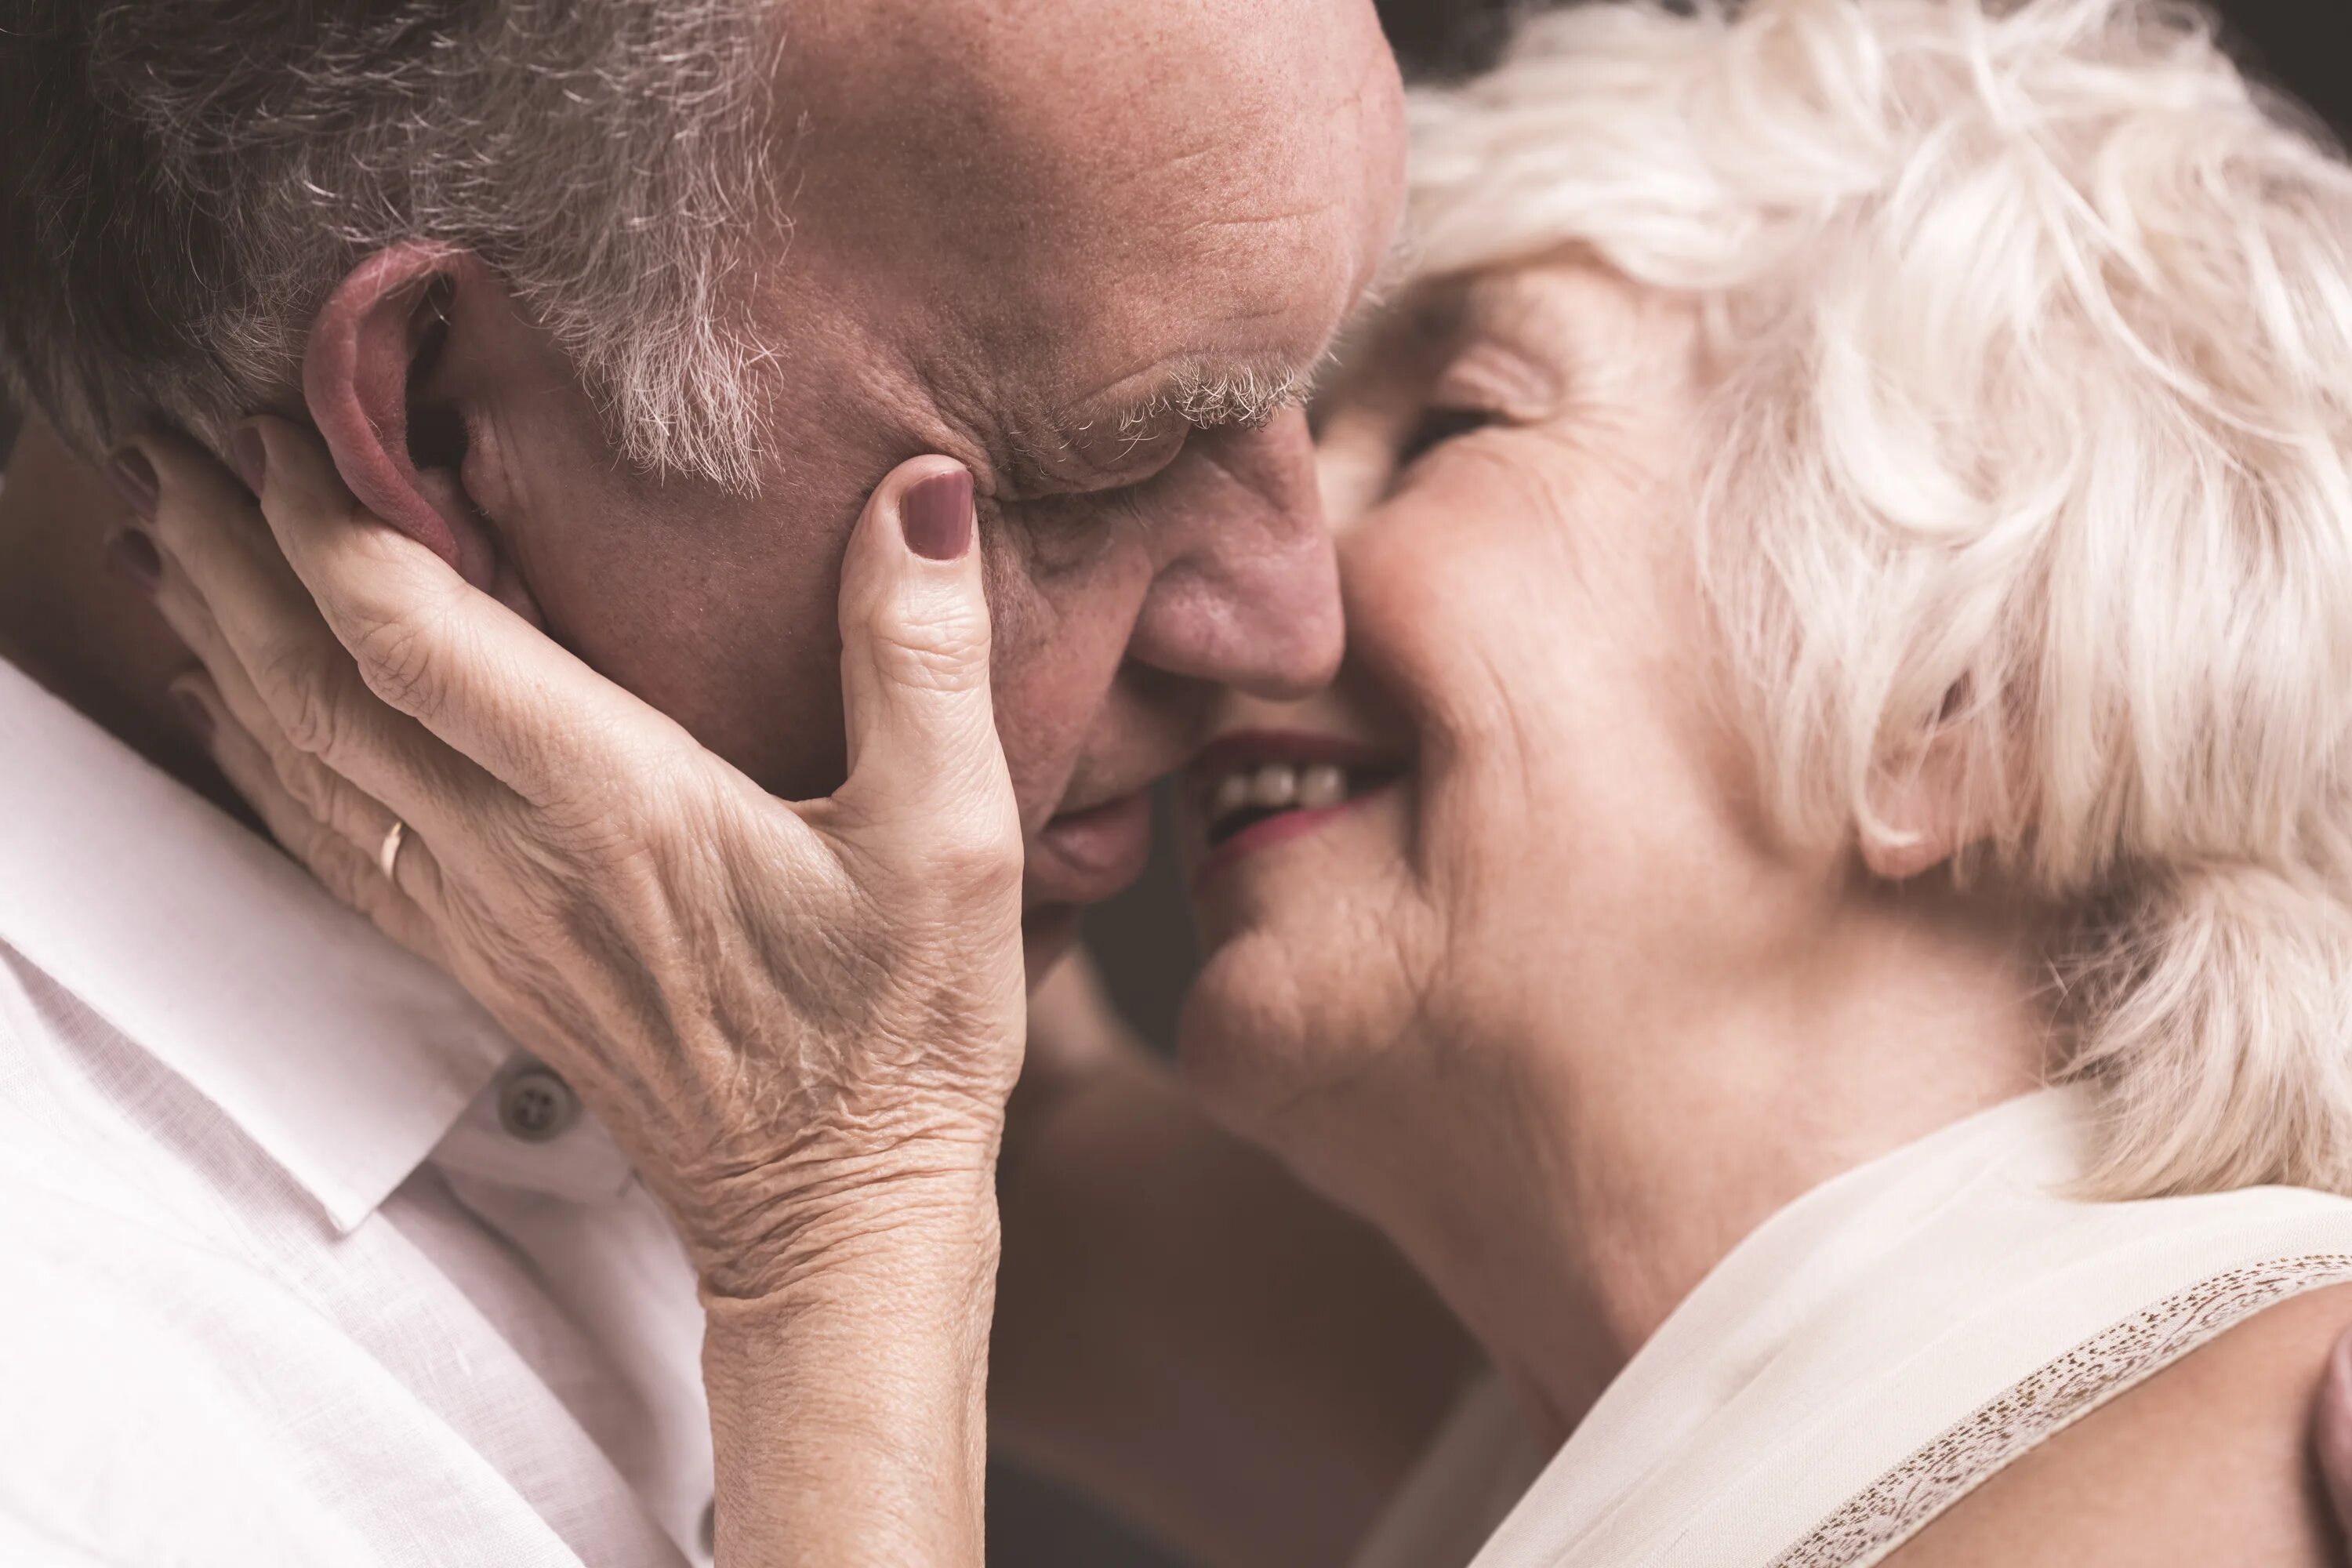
{"type": "Point", "coordinates": [1056, 655]}
{"type": "Point", "coordinates": [1041, 714]}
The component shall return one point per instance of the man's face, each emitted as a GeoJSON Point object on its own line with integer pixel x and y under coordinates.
{"type": "Point", "coordinates": [1021, 230]}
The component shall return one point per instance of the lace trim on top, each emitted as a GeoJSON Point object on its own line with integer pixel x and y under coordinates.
{"type": "Point", "coordinates": [1901, 1503]}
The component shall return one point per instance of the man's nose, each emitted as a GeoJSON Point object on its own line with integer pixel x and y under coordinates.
{"type": "Point", "coordinates": [1245, 591]}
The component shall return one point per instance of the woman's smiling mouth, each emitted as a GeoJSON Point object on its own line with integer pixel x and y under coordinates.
{"type": "Point", "coordinates": [1259, 787]}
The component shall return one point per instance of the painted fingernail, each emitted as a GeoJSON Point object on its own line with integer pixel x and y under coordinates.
{"type": "Point", "coordinates": [134, 555]}
{"type": "Point", "coordinates": [134, 478]}
{"type": "Point", "coordinates": [191, 708]}
{"type": "Point", "coordinates": [937, 516]}
{"type": "Point", "coordinates": [249, 458]}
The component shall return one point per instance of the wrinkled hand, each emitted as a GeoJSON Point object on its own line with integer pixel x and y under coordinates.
{"type": "Point", "coordinates": [800, 1019]}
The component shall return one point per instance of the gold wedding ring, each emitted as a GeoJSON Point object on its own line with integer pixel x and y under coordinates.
{"type": "Point", "coordinates": [388, 857]}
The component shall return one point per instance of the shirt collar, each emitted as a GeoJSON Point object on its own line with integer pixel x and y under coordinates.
{"type": "Point", "coordinates": [344, 1057]}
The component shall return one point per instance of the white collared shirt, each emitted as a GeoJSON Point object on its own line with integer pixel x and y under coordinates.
{"type": "Point", "coordinates": [276, 1283]}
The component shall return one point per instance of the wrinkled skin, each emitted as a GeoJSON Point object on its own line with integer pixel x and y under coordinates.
{"type": "Point", "coordinates": [703, 958]}
{"type": "Point", "coordinates": [801, 1021]}
{"type": "Point", "coordinates": [1562, 1012]}
{"type": "Point", "coordinates": [649, 782]}
{"type": "Point", "coordinates": [1006, 231]}
{"type": "Point", "coordinates": [1008, 223]}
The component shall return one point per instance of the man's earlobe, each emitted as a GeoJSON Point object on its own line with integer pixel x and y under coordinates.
{"type": "Point", "coordinates": [368, 378]}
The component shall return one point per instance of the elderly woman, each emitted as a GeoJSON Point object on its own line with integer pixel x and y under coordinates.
{"type": "Point", "coordinates": [1817, 915]}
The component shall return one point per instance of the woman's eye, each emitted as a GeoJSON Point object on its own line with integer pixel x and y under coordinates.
{"type": "Point", "coordinates": [1439, 426]}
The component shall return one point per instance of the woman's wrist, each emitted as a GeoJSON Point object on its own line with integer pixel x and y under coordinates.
{"type": "Point", "coordinates": [775, 1234]}
{"type": "Point", "coordinates": [848, 1396]}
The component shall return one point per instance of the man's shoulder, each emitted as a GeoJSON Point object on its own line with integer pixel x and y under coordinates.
{"type": "Point", "coordinates": [96, 1136]}
{"type": "Point", "coordinates": [169, 1401]}
{"type": "Point", "coordinates": [120, 1236]}
{"type": "Point", "coordinates": [2209, 1460]}
{"type": "Point", "coordinates": [195, 1367]}
{"type": "Point", "coordinates": [143, 1358]}
{"type": "Point", "coordinates": [153, 1250]}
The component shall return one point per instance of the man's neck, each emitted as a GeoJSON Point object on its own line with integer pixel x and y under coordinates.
{"type": "Point", "coordinates": [79, 628]}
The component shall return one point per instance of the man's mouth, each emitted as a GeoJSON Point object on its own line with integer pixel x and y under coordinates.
{"type": "Point", "coordinates": [1257, 788]}
{"type": "Point", "coordinates": [1087, 856]}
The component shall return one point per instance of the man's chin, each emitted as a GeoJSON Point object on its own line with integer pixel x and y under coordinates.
{"type": "Point", "coordinates": [1048, 933]}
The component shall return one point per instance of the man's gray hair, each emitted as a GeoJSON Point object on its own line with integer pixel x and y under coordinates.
{"type": "Point", "coordinates": [186, 181]}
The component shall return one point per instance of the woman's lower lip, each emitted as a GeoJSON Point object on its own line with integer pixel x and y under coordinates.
{"type": "Point", "coordinates": [1277, 830]}
{"type": "Point", "coordinates": [1086, 856]}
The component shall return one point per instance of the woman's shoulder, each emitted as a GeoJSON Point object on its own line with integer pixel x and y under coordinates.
{"type": "Point", "coordinates": [2209, 1460]}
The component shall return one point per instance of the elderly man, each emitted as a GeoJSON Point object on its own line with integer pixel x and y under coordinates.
{"type": "Point", "coordinates": [621, 306]}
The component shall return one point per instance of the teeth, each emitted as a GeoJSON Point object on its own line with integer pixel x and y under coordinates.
{"type": "Point", "coordinates": [1324, 785]}
{"type": "Point", "coordinates": [1232, 795]}
{"type": "Point", "coordinates": [1275, 786]}
{"type": "Point", "coordinates": [1279, 787]}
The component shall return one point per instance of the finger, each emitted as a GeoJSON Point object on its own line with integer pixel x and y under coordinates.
{"type": "Point", "coordinates": [347, 872]}
{"type": "Point", "coordinates": [325, 794]}
{"type": "Point", "coordinates": [232, 598]}
{"type": "Point", "coordinates": [923, 748]}
{"type": "Point", "coordinates": [473, 672]}
{"type": "Point", "coordinates": [2331, 1432]}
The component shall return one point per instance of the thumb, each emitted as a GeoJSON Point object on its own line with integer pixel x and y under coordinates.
{"type": "Point", "coordinates": [914, 661]}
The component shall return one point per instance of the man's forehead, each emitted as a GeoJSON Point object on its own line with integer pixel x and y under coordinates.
{"type": "Point", "coordinates": [1068, 218]}
{"type": "Point", "coordinates": [1176, 321]}
{"type": "Point", "coordinates": [1100, 128]}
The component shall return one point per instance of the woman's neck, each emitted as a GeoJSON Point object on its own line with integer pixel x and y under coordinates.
{"type": "Point", "coordinates": [1612, 1161]}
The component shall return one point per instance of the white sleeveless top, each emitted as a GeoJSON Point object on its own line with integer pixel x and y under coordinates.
{"type": "Point", "coordinates": [1866, 1358]}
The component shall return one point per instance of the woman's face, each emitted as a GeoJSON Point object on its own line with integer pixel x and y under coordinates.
{"type": "Point", "coordinates": [1519, 817]}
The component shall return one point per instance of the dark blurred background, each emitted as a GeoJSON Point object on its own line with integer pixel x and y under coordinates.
{"type": "Point", "coordinates": [1142, 939]}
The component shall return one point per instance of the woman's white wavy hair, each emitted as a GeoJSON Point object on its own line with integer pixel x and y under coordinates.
{"type": "Point", "coordinates": [2034, 326]}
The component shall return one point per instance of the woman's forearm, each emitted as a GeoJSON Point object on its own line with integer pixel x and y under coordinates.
{"type": "Point", "coordinates": [848, 1403]}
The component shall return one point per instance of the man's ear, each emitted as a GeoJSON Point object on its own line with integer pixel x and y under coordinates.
{"type": "Point", "coordinates": [398, 437]}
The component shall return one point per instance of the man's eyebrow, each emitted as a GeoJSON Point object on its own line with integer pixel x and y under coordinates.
{"type": "Point", "coordinates": [1206, 395]}
{"type": "Point", "coordinates": [1213, 395]}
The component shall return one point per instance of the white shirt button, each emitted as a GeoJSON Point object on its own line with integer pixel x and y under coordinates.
{"type": "Point", "coordinates": [537, 1107]}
